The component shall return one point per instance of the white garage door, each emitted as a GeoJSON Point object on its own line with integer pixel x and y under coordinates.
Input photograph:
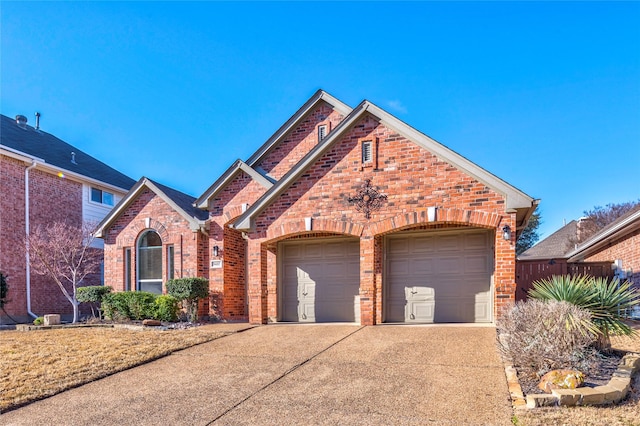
{"type": "Point", "coordinates": [320, 280]}
{"type": "Point", "coordinates": [439, 277]}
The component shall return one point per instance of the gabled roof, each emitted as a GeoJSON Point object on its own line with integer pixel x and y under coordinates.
{"type": "Point", "coordinates": [295, 119]}
{"type": "Point", "coordinates": [236, 168]}
{"type": "Point", "coordinates": [56, 152]}
{"type": "Point", "coordinates": [624, 225]}
{"type": "Point", "coordinates": [555, 246]}
{"type": "Point", "coordinates": [250, 168]}
{"type": "Point", "coordinates": [179, 201]}
{"type": "Point", "coordinates": [516, 200]}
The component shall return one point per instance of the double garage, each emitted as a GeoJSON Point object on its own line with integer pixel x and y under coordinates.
{"type": "Point", "coordinates": [428, 277]}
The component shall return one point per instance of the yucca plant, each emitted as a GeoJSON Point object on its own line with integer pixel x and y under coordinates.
{"type": "Point", "coordinates": [603, 298]}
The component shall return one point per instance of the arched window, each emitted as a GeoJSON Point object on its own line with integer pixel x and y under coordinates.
{"type": "Point", "coordinates": [149, 262]}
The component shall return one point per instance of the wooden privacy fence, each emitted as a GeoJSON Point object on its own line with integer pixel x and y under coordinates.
{"type": "Point", "coordinates": [528, 271]}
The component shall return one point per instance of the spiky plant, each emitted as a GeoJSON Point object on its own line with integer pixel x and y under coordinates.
{"type": "Point", "coordinates": [603, 298]}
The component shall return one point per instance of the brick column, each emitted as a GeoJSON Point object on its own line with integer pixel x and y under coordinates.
{"type": "Point", "coordinates": [505, 268]}
{"type": "Point", "coordinates": [367, 281]}
{"type": "Point", "coordinates": [257, 282]}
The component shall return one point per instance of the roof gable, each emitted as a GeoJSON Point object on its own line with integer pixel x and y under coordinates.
{"type": "Point", "coordinates": [516, 200]}
{"type": "Point", "coordinates": [179, 201]}
{"type": "Point", "coordinates": [58, 153]}
{"type": "Point", "coordinates": [555, 246]}
{"type": "Point", "coordinates": [227, 177]}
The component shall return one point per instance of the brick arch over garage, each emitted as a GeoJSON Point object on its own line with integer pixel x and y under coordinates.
{"type": "Point", "coordinates": [139, 227]}
{"type": "Point", "coordinates": [444, 216]}
{"type": "Point", "coordinates": [301, 226]}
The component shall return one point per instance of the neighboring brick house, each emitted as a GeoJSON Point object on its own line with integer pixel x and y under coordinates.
{"type": "Point", "coordinates": [43, 180]}
{"type": "Point", "coordinates": [352, 215]}
{"type": "Point", "coordinates": [617, 243]}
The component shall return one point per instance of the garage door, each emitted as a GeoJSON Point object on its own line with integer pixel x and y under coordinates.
{"type": "Point", "coordinates": [439, 277]}
{"type": "Point", "coordinates": [320, 280]}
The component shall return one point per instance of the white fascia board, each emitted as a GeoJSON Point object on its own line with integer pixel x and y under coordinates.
{"type": "Point", "coordinates": [19, 155]}
{"type": "Point", "coordinates": [194, 223]}
{"type": "Point", "coordinates": [515, 199]}
{"type": "Point", "coordinates": [596, 242]}
{"type": "Point", "coordinates": [203, 201]}
{"type": "Point", "coordinates": [55, 169]}
{"type": "Point", "coordinates": [320, 95]}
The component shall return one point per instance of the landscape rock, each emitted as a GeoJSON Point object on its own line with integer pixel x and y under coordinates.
{"type": "Point", "coordinates": [151, 323]}
{"type": "Point", "coordinates": [561, 379]}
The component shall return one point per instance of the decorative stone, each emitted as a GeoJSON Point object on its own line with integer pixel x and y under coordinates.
{"type": "Point", "coordinates": [623, 384]}
{"type": "Point", "coordinates": [52, 319]}
{"type": "Point", "coordinates": [623, 371]}
{"type": "Point", "coordinates": [591, 396]}
{"type": "Point", "coordinates": [610, 393]}
{"type": "Point", "coordinates": [151, 323]}
{"type": "Point", "coordinates": [567, 397]}
{"type": "Point", "coordinates": [561, 379]}
{"type": "Point", "coordinates": [631, 361]}
{"type": "Point", "coordinates": [541, 400]}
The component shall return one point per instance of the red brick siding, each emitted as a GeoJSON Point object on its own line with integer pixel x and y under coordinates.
{"type": "Point", "coordinates": [190, 247]}
{"type": "Point", "coordinates": [299, 141]}
{"type": "Point", "coordinates": [413, 179]}
{"type": "Point", "coordinates": [51, 199]}
{"type": "Point", "coordinates": [12, 230]}
{"type": "Point", "coordinates": [627, 249]}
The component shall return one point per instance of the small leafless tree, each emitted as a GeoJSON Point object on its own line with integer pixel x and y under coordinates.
{"type": "Point", "coordinates": [63, 252]}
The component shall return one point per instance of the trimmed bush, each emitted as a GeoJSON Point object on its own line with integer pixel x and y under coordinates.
{"type": "Point", "coordinates": [166, 308]}
{"type": "Point", "coordinates": [539, 336]}
{"type": "Point", "coordinates": [132, 305]}
{"type": "Point", "coordinates": [93, 295]}
{"type": "Point", "coordinates": [189, 291]}
{"type": "Point", "coordinates": [38, 321]}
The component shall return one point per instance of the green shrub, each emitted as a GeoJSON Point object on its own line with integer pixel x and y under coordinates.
{"type": "Point", "coordinates": [539, 336]}
{"type": "Point", "coordinates": [38, 321]}
{"type": "Point", "coordinates": [93, 295]}
{"type": "Point", "coordinates": [133, 305]}
{"type": "Point", "coordinates": [4, 290]}
{"type": "Point", "coordinates": [189, 291]}
{"type": "Point", "coordinates": [166, 308]}
{"type": "Point", "coordinates": [605, 300]}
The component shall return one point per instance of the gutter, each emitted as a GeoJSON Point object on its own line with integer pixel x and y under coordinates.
{"type": "Point", "coordinates": [34, 163]}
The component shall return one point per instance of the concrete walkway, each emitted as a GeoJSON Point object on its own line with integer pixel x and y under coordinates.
{"type": "Point", "coordinates": [300, 375]}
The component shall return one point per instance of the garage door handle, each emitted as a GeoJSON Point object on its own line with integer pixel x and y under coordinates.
{"type": "Point", "coordinates": [304, 294]}
{"type": "Point", "coordinates": [414, 292]}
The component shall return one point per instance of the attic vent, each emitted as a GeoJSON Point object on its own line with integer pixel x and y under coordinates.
{"type": "Point", "coordinates": [73, 158]}
{"type": "Point", "coordinates": [21, 121]}
{"type": "Point", "coordinates": [322, 132]}
{"type": "Point", "coordinates": [367, 152]}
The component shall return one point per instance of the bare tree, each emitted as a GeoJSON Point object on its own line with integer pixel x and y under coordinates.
{"type": "Point", "coordinates": [599, 217]}
{"type": "Point", "coordinates": [63, 252]}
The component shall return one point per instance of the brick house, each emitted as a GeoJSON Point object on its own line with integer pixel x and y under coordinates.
{"type": "Point", "coordinates": [351, 215]}
{"type": "Point", "coordinates": [43, 180]}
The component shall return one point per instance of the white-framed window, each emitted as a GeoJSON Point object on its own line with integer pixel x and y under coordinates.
{"type": "Point", "coordinates": [102, 197]}
{"type": "Point", "coordinates": [170, 263]}
{"type": "Point", "coordinates": [367, 152]}
{"type": "Point", "coordinates": [149, 263]}
{"type": "Point", "coordinates": [322, 132]}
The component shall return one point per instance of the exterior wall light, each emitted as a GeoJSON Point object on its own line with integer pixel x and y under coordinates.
{"type": "Point", "coordinates": [216, 251]}
{"type": "Point", "coordinates": [506, 232]}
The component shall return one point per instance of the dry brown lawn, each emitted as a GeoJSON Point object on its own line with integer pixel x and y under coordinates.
{"type": "Point", "coordinates": [38, 364]}
{"type": "Point", "coordinates": [625, 414]}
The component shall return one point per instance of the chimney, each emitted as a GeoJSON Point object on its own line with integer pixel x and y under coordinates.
{"type": "Point", "coordinates": [21, 121]}
{"type": "Point", "coordinates": [37, 121]}
{"type": "Point", "coordinates": [584, 228]}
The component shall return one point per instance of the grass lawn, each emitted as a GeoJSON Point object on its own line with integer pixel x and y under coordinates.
{"type": "Point", "coordinates": [37, 364]}
{"type": "Point", "coordinates": [624, 414]}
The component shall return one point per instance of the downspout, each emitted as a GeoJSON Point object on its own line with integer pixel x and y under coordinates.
{"type": "Point", "coordinates": [26, 227]}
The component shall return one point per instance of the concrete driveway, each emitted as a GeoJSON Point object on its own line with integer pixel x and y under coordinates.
{"type": "Point", "coordinates": [302, 375]}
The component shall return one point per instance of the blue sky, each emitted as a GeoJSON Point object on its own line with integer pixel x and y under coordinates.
{"type": "Point", "coordinates": [544, 95]}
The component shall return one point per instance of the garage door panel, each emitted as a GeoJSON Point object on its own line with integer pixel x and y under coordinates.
{"type": "Point", "coordinates": [422, 245]}
{"type": "Point", "coordinates": [326, 283]}
{"type": "Point", "coordinates": [450, 283]}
